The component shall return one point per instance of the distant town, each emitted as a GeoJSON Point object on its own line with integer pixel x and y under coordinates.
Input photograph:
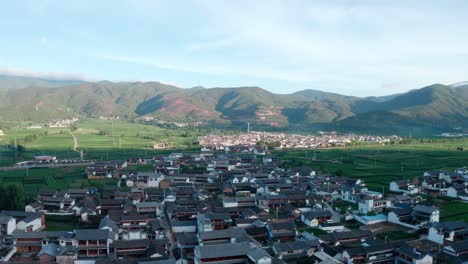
{"type": "Point", "coordinates": [289, 141]}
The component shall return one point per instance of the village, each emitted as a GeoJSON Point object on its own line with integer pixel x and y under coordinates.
{"type": "Point", "coordinates": [288, 141]}
{"type": "Point", "coordinates": [213, 207]}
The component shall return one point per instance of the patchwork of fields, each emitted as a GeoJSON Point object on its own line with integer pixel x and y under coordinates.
{"type": "Point", "coordinates": [99, 139]}
{"type": "Point", "coordinates": [378, 165]}
{"type": "Point", "coordinates": [105, 139]}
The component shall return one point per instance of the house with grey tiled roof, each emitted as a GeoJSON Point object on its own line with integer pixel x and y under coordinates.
{"type": "Point", "coordinates": [450, 231]}
{"type": "Point", "coordinates": [26, 221]}
{"type": "Point", "coordinates": [7, 225]}
{"type": "Point", "coordinates": [93, 243]}
{"type": "Point", "coordinates": [296, 249]}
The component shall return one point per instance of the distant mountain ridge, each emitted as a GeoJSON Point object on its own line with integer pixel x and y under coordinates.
{"type": "Point", "coordinates": [12, 82]}
{"type": "Point", "coordinates": [434, 108]}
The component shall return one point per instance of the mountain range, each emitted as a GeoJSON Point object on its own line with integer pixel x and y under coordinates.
{"type": "Point", "coordinates": [426, 110]}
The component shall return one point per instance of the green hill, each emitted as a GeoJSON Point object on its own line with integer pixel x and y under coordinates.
{"type": "Point", "coordinates": [434, 108]}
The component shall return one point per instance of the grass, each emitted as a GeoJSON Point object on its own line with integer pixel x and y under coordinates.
{"type": "Point", "coordinates": [132, 168]}
{"type": "Point", "coordinates": [36, 179]}
{"type": "Point", "coordinates": [397, 235]}
{"type": "Point", "coordinates": [99, 139]}
{"type": "Point", "coordinates": [454, 210]}
{"type": "Point", "coordinates": [58, 223]}
{"type": "Point", "coordinates": [378, 165]}
{"type": "Point", "coordinates": [315, 231]}
{"type": "Point", "coordinates": [343, 206]}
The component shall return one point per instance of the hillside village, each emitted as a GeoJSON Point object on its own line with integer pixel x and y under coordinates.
{"type": "Point", "coordinates": [228, 208]}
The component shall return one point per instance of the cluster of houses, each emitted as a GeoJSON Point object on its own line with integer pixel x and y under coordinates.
{"type": "Point", "coordinates": [48, 160]}
{"type": "Point", "coordinates": [152, 119]}
{"type": "Point", "coordinates": [219, 208]}
{"type": "Point", "coordinates": [287, 141]}
{"type": "Point", "coordinates": [438, 183]}
{"type": "Point", "coordinates": [63, 122]}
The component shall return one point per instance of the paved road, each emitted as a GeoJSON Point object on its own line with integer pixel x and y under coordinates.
{"type": "Point", "coordinates": [336, 217]}
{"type": "Point", "coordinates": [10, 168]}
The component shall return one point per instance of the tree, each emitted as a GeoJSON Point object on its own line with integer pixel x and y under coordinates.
{"type": "Point", "coordinates": [21, 148]}
{"type": "Point", "coordinates": [339, 173]}
{"type": "Point", "coordinates": [3, 198]}
{"type": "Point", "coordinates": [12, 197]}
{"type": "Point", "coordinates": [430, 200]}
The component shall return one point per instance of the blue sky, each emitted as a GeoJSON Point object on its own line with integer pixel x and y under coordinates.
{"type": "Point", "coordinates": [352, 47]}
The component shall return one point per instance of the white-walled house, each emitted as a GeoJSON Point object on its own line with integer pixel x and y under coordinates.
{"type": "Point", "coordinates": [424, 213]}
{"type": "Point", "coordinates": [7, 225]}
{"type": "Point", "coordinates": [457, 249]}
{"type": "Point", "coordinates": [403, 186]}
{"type": "Point", "coordinates": [26, 221]}
{"type": "Point", "coordinates": [181, 226]}
{"type": "Point", "coordinates": [408, 254]}
{"type": "Point", "coordinates": [457, 191]}
{"type": "Point", "coordinates": [371, 205]}
{"type": "Point", "coordinates": [147, 179]}
{"type": "Point", "coordinates": [230, 202]}
{"type": "Point", "coordinates": [314, 218]}
{"type": "Point", "coordinates": [447, 231]}
{"type": "Point", "coordinates": [30, 224]}
{"type": "Point", "coordinates": [349, 195]}
{"type": "Point", "coordinates": [403, 217]}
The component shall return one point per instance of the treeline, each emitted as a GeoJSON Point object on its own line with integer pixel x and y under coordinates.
{"type": "Point", "coordinates": [25, 140]}
{"type": "Point", "coordinates": [429, 140]}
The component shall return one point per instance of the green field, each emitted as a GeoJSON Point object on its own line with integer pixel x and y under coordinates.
{"type": "Point", "coordinates": [454, 210]}
{"type": "Point", "coordinates": [99, 139]}
{"type": "Point", "coordinates": [378, 164]}
{"type": "Point", "coordinates": [36, 179]}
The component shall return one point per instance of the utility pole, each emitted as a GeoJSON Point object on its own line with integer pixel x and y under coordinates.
{"type": "Point", "coordinates": [16, 149]}
{"type": "Point", "coordinates": [113, 133]}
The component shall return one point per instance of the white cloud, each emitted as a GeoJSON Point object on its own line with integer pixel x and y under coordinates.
{"type": "Point", "coordinates": [352, 46]}
{"type": "Point", "coordinates": [207, 67]}
{"type": "Point", "coordinates": [329, 42]}
{"type": "Point", "coordinates": [48, 75]}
